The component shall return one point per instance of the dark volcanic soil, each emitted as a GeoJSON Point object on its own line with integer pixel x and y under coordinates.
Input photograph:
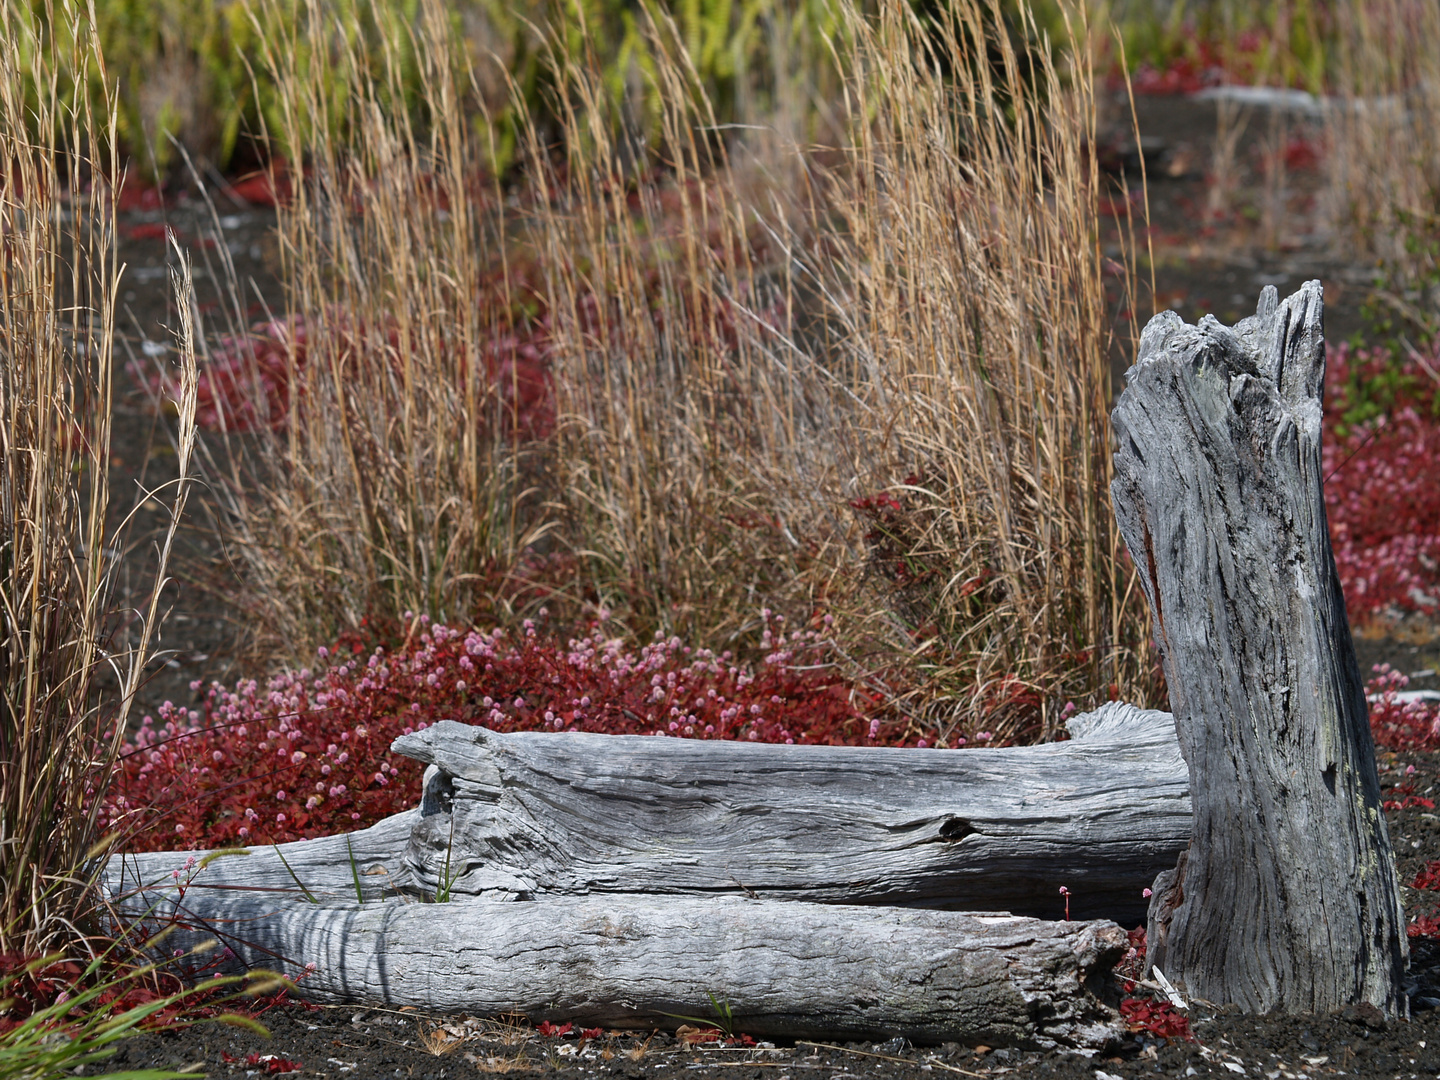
{"type": "Point", "coordinates": [369, 1043]}
{"type": "Point", "coordinates": [1205, 262]}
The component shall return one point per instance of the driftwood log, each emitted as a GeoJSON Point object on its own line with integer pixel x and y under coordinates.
{"type": "Point", "coordinates": [533, 815]}
{"type": "Point", "coordinates": [1286, 898]}
{"type": "Point", "coordinates": [653, 829]}
{"type": "Point", "coordinates": [785, 969]}
{"type": "Point", "coordinates": [527, 816]}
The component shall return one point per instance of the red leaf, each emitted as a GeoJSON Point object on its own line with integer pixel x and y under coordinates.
{"type": "Point", "coordinates": [1157, 1017]}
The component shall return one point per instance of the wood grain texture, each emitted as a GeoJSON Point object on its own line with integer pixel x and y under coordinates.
{"type": "Point", "coordinates": [1287, 898]}
{"type": "Point", "coordinates": [530, 815]}
{"type": "Point", "coordinates": [793, 970]}
{"type": "Point", "coordinates": [540, 815]}
{"type": "Point", "coordinates": [322, 866]}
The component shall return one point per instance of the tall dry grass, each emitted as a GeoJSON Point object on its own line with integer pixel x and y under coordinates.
{"type": "Point", "coordinates": [966, 285]}
{"type": "Point", "coordinates": [397, 480]}
{"type": "Point", "coordinates": [871, 384]}
{"type": "Point", "coordinates": [61, 721]}
{"type": "Point", "coordinates": [862, 384]}
{"type": "Point", "coordinates": [1383, 159]}
{"type": "Point", "coordinates": [684, 466]}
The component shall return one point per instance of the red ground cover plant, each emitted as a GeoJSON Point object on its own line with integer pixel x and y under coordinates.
{"type": "Point", "coordinates": [1407, 799]}
{"type": "Point", "coordinates": [1425, 926]}
{"type": "Point", "coordinates": [309, 754]}
{"type": "Point", "coordinates": [1147, 1014]}
{"type": "Point", "coordinates": [1381, 457]}
{"type": "Point", "coordinates": [30, 985]}
{"type": "Point", "coordinates": [1189, 62]}
{"type": "Point", "coordinates": [1428, 878]}
{"type": "Point", "coordinates": [1156, 1017]}
{"type": "Point", "coordinates": [1400, 724]}
{"type": "Point", "coordinates": [26, 988]}
{"type": "Point", "coordinates": [1428, 925]}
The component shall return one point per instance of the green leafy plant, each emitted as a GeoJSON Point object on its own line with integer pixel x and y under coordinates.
{"type": "Point", "coordinates": [81, 1027]}
{"type": "Point", "coordinates": [723, 1018]}
{"type": "Point", "coordinates": [298, 883]}
{"type": "Point", "coordinates": [355, 871]}
{"type": "Point", "coordinates": [195, 72]}
{"type": "Point", "coordinates": [447, 879]}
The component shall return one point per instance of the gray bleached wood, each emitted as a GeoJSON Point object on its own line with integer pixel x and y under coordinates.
{"type": "Point", "coordinates": [534, 815]}
{"type": "Point", "coordinates": [1286, 898]}
{"type": "Point", "coordinates": [322, 866]}
{"type": "Point", "coordinates": [786, 969]}
{"type": "Point", "coordinates": [541, 815]}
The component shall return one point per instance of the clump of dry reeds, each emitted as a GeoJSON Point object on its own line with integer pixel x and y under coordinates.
{"type": "Point", "coordinates": [59, 735]}
{"type": "Point", "coordinates": [683, 477]}
{"type": "Point", "coordinates": [965, 287]}
{"type": "Point", "coordinates": [863, 386]}
{"type": "Point", "coordinates": [889, 406]}
{"type": "Point", "coordinates": [1383, 158]}
{"type": "Point", "coordinates": [396, 480]}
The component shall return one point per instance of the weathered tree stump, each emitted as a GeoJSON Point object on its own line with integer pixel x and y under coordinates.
{"type": "Point", "coordinates": [1286, 898]}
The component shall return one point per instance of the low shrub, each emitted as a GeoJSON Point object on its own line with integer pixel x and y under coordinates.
{"type": "Point", "coordinates": [1157, 1017]}
{"type": "Point", "coordinates": [310, 753]}
{"type": "Point", "coordinates": [1399, 723]}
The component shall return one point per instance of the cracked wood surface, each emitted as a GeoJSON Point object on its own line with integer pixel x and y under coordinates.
{"type": "Point", "coordinates": [531, 815]}
{"type": "Point", "coordinates": [792, 970]}
{"type": "Point", "coordinates": [1286, 898]}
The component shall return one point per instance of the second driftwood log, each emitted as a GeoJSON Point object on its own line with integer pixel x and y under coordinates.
{"type": "Point", "coordinates": [781, 969]}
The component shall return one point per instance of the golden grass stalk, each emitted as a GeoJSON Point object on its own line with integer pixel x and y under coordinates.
{"type": "Point", "coordinates": [1383, 159]}
{"type": "Point", "coordinates": [967, 294]}
{"type": "Point", "coordinates": [395, 483]}
{"type": "Point", "coordinates": [58, 279]}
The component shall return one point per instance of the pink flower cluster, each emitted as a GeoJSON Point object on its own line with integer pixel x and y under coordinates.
{"type": "Point", "coordinates": [1398, 723]}
{"type": "Point", "coordinates": [310, 753]}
